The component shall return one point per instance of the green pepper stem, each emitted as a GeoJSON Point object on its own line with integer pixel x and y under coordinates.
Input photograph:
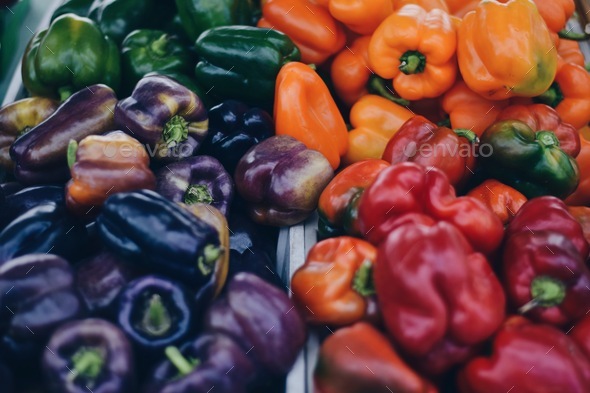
{"type": "Point", "coordinates": [546, 292]}
{"type": "Point", "coordinates": [362, 282]}
{"type": "Point", "coordinates": [71, 153]}
{"type": "Point", "coordinates": [568, 34]}
{"type": "Point", "coordinates": [547, 138]}
{"type": "Point", "coordinates": [175, 131]}
{"type": "Point", "coordinates": [378, 86]}
{"type": "Point", "coordinates": [64, 93]}
{"type": "Point", "coordinates": [552, 97]}
{"type": "Point", "coordinates": [156, 319]}
{"type": "Point", "coordinates": [412, 62]}
{"type": "Point", "coordinates": [198, 193]}
{"type": "Point", "coordinates": [183, 365]}
{"type": "Point", "coordinates": [446, 122]}
{"type": "Point", "coordinates": [87, 362]}
{"type": "Point", "coordinates": [313, 66]}
{"type": "Point", "coordinates": [207, 261]}
{"type": "Point", "coordinates": [158, 47]}
{"type": "Point", "coordinates": [467, 134]}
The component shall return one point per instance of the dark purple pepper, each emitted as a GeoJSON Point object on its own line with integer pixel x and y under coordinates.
{"type": "Point", "coordinates": [23, 200]}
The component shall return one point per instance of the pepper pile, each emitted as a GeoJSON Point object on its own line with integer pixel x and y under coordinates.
{"type": "Point", "coordinates": [162, 143]}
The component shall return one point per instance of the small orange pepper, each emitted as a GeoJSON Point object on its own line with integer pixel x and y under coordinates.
{"type": "Point", "coordinates": [361, 16]}
{"type": "Point", "coordinates": [305, 110]}
{"type": "Point", "coordinates": [503, 200]}
{"type": "Point", "coordinates": [416, 49]}
{"type": "Point", "coordinates": [569, 51]}
{"type": "Point", "coordinates": [581, 197]}
{"type": "Point", "coordinates": [555, 13]}
{"type": "Point", "coordinates": [459, 8]}
{"type": "Point", "coordinates": [350, 71]}
{"type": "Point", "coordinates": [428, 5]}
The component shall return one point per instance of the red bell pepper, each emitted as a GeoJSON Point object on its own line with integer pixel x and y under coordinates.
{"type": "Point", "coordinates": [581, 334]}
{"type": "Point", "coordinates": [582, 216]}
{"type": "Point", "coordinates": [528, 358]}
{"type": "Point", "coordinates": [439, 298]}
{"type": "Point", "coordinates": [411, 188]}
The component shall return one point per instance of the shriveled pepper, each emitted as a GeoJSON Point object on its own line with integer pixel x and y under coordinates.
{"type": "Point", "coordinates": [505, 50]}
{"type": "Point", "coordinates": [416, 49]}
{"type": "Point", "coordinates": [338, 205]}
{"type": "Point", "coordinates": [335, 285]}
{"type": "Point", "coordinates": [362, 17]}
{"type": "Point", "coordinates": [360, 359]}
{"type": "Point", "coordinates": [503, 200]}
{"type": "Point", "coordinates": [374, 120]}
{"type": "Point", "coordinates": [305, 110]}
{"type": "Point", "coordinates": [311, 27]}
{"type": "Point", "coordinates": [423, 142]}
{"type": "Point", "coordinates": [582, 194]}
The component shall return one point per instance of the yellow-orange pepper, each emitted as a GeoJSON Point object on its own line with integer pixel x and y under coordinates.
{"type": "Point", "coordinates": [506, 50]}
{"type": "Point", "coordinates": [361, 16]}
{"type": "Point", "coordinates": [459, 8]}
{"type": "Point", "coordinates": [428, 5]}
{"type": "Point", "coordinates": [305, 110]}
{"type": "Point", "coordinates": [555, 13]}
{"type": "Point", "coordinates": [416, 49]}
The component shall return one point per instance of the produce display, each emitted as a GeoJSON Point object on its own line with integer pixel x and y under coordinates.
{"type": "Point", "coordinates": [439, 149]}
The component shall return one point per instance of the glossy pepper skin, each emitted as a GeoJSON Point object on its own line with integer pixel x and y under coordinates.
{"type": "Point", "coordinates": [350, 71]}
{"type": "Point", "coordinates": [144, 51]}
{"type": "Point", "coordinates": [164, 115]}
{"type": "Point", "coordinates": [69, 56]}
{"type": "Point", "coordinates": [118, 18]}
{"type": "Point", "coordinates": [105, 165]}
{"type": "Point", "coordinates": [532, 162]}
{"type": "Point", "coordinates": [582, 194]}
{"type": "Point", "coordinates": [47, 227]}
{"type": "Point", "coordinates": [311, 27]}
{"type": "Point", "coordinates": [517, 347]}
{"type": "Point", "coordinates": [362, 17]}
{"type": "Point", "coordinates": [375, 120]}
{"type": "Point", "coordinates": [242, 62]}
{"type": "Point", "coordinates": [423, 142]}
{"type": "Point", "coordinates": [503, 200]}
{"type": "Point", "coordinates": [200, 179]}
{"type": "Point", "coordinates": [423, 66]}
{"type": "Point", "coordinates": [370, 364]}
{"type": "Point", "coordinates": [410, 188]}
{"type": "Point", "coordinates": [13, 205]}
{"type": "Point", "coordinates": [428, 276]}
{"type": "Point", "coordinates": [505, 50]}
{"type": "Point", "coordinates": [305, 110]}
{"type": "Point", "coordinates": [335, 285]}
{"type": "Point", "coordinates": [555, 13]}
{"type": "Point", "coordinates": [40, 155]}
{"type": "Point", "coordinates": [281, 180]}
{"type": "Point", "coordinates": [18, 118]}
{"type": "Point", "coordinates": [98, 353]}
{"type": "Point", "coordinates": [234, 127]}
{"type": "Point", "coordinates": [338, 204]}
{"type": "Point", "coordinates": [78, 7]}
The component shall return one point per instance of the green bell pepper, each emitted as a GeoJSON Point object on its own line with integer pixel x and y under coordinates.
{"type": "Point", "coordinates": [200, 15]}
{"type": "Point", "coordinates": [242, 62]}
{"type": "Point", "coordinates": [117, 18]}
{"type": "Point", "coordinates": [532, 162]}
{"type": "Point", "coordinates": [70, 55]}
{"type": "Point", "coordinates": [78, 7]}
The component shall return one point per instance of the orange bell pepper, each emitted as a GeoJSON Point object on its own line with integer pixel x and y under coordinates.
{"type": "Point", "coordinates": [416, 49]}
{"type": "Point", "coordinates": [469, 110]}
{"type": "Point", "coordinates": [305, 110]}
{"type": "Point", "coordinates": [335, 285]}
{"type": "Point", "coordinates": [459, 8]}
{"type": "Point", "coordinates": [374, 120]}
{"type": "Point", "coordinates": [555, 13]}
{"type": "Point", "coordinates": [311, 27]}
{"type": "Point", "coordinates": [506, 50]}
{"type": "Point", "coordinates": [428, 5]}
{"type": "Point", "coordinates": [569, 52]}
{"type": "Point", "coordinates": [503, 200]}
{"type": "Point", "coordinates": [361, 16]}
{"type": "Point", "coordinates": [581, 196]}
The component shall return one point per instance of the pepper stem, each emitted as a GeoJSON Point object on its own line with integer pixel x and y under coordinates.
{"type": "Point", "coordinates": [175, 131]}
{"type": "Point", "coordinates": [183, 365]}
{"type": "Point", "coordinates": [207, 261]}
{"type": "Point", "coordinates": [64, 93]}
{"type": "Point", "coordinates": [158, 47]}
{"type": "Point", "coordinates": [568, 34]}
{"type": "Point", "coordinates": [412, 62]}
{"type": "Point", "coordinates": [552, 97]}
{"type": "Point", "coordinates": [362, 282]}
{"type": "Point", "coordinates": [87, 362]}
{"type": "Point", "coordinates": [198, 193]}
{"type": "Point", "coordinates": [378, 86]}
{"type": "Point", "coordinates": [547, 138]}
{"type": "Point", "coordinates": [71, 153]}
{"type": "Point", "coordinates": [156, 319]}
{"type": "Point", "coordinates": [546, 292]}
{"type": "Point", "coordinates": [467, 134]}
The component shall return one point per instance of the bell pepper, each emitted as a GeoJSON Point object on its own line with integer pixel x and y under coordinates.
{"type": "Point", "coordinates": [555, 13]}
{"type": "Point", "coordinates": [144, 51]}
{"type": "Point", "coordinates": [242, 62]}
{"type": "Point", "coordinates": [362, 17]}
{"type": "Point", "coordinates": [45, 228]}
{"type": "Point", "coordinates": [167, 117]}
{"type": "Point", "coordinates": [467, 109]}
{"type": "Point", "coordinates": [40, 155]}
{"type": "Point", "coordinates": [439, 298]}
{"type": "Point", "coordinates": [69, 56]}
{"type": "Point", "coordinates": [582, 216]}
{"type": "Point", "coordinates": [374, 120]}
{"type": "Point", "coordinates": [421, 141]}
{"type": "Point", "coordinates": [503, 200]}
{"type": "Point", "coordinates": [581, 196]}
{"type": "Point", "coordinates": [200, 179]}
{"type": "Point", "coordinates": [281, 180]}
{"type": "Point", "coordinates": [410, 188]}
{"type": "Point", "coordinates": [569, 52]}
{"type": "Point", "coordinates": [78, 7]}
{"type": "Point", "coordinates": [531, 162]}
{"type": "Point", "coordinates": [234, 128]}
{"type": "Point", "coordinates": [528, 358]}
{"type": "Point", "coordinates": [316, 33]}
{"type": "Point", "coordinates": [416, 49]}
{"type": "Point", "coordinates": [338, 204]}
{"type": "Point", "coordinates": [18, 118]}
{"type": "Point", "coordinates": [200, 15]}
{"type": "Point", "coordinates": [567, 95]}
{"type": "Point", "coordinates": [103, 165]}
{"type": "Point", "coordinates": [91, 354]}
{"type": "Point", "coordinates": [360, 359]}
{"type": "Point", "coordinates": [154, 232]}
{"type": "Point", "coordinates": [459, 8]}
{"type": "Point", "coordinates": [262, 319]}
{"type": "Point", "coordinates": [20, 202]}
{"type": "Point", "coordinates": [335, 284]}
{"type": "Point", "coordinates": [305, 110]}
{"type": "Point", "coordinates": [505, 50]}
{"type": "Point", "coordinates": [580, 335]}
